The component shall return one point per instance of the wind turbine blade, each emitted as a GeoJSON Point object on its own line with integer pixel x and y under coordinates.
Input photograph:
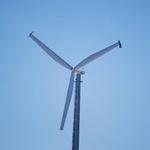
{"type": "Point", "coordinates": [52, 54]}
{"type": "Point", "coordinates": [96, 55]}
{"type": "Point", "coordinates": [68, 99]}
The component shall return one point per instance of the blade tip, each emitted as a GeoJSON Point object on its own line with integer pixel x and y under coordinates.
{"type": "Point", "coordinates": [120, 46]}
{"type": "Point", "coordinates": [61, 128]}
{"type": "Point", "coordinates": [31, 34]}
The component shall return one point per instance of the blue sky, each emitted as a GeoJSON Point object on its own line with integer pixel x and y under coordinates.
{"type": "Point", "coordinates": [115, 90]}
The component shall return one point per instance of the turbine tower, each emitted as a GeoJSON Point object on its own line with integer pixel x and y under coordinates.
{"type": "Point", "coordinates": [74, 71]}
{"type": "Point", "coordinates": [76, 118]}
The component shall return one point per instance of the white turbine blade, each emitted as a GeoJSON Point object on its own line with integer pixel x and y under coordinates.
{"type": "Point", "coordinates": [96, 55]}
{"type": "Point", "coordinates": [68, 99]}
{"type": "Point", "coordinates": [50, 52]}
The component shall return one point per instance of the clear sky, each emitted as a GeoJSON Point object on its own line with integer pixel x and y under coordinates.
{"type": "Point", "coordinates": [115, 100]}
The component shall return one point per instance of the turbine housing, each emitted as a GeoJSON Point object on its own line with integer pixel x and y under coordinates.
{"type": "Point", "coordinates": [80, 72]}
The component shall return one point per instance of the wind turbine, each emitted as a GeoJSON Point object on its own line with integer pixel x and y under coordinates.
{"type": "Point", "coordinates": [74, 71]}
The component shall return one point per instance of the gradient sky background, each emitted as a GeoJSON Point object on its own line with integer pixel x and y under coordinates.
{"type": "Point", "coordinates": [115, 101]}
